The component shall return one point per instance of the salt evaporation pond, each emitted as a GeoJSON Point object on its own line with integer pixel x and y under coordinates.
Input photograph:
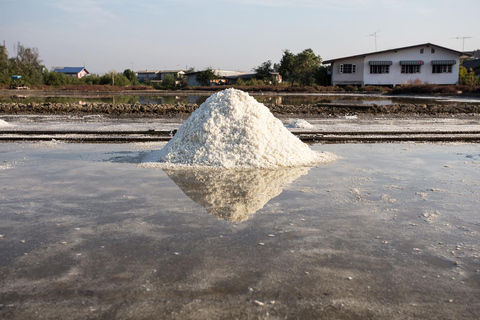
{"type": "Point", "coordinates": [388, 231]}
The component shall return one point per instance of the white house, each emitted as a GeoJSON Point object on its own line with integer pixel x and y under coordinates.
{"type": "Point", "coordinates": [427, 63]}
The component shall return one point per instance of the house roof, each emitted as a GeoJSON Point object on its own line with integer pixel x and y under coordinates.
{"type": "Point", "coordinates": [148, 71]}
{"type": "Point", "coordinates": [394, 50]}
{"type": "Point", "coordinates": [171, 71]}
{"type": "Point", "coordinates": [74, 70]}
{"type": "Point", "coordinates": [472, 64]}
{"type": "Point", "coordinates": [242, 76]}
{"type": "Point", "coordinates": [219, 73]}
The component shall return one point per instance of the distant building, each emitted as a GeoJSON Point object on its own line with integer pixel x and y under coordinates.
{"type": "Point", "coordinates": [144, 75]}
{"type": "Point", "coordinates": [78, 72]}
{"type": "Point", "coordinates": [158, 75]}
{"type": "Point", "coordinates": [427, 63]}
{"type": "Point", "coordinates": [226, 77]}
{"type": "Point", "coordinates": [222, 75]}
{"type": "Point", "coordinates": [472, 64]}
{"type": "Point", "coordinates": [247, 76]}
{"type": "Point", "coordinates": [474, 54]}
{"type": "Point", "coordinates": [174, 73]}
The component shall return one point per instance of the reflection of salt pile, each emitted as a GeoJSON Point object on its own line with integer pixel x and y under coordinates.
{"type": "Point", "coordinates": [300, 124]}
{"type": "Point", "coordinates": [232, 130]}
{"type": "Point", "coordinates": [234, 195]}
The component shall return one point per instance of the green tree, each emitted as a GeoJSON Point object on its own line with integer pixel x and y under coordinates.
{"type": "Point", "coordinates": [131, 76]}
{"type": "Point", "coordinates": [306, 65]}
{"type": "Point", "coordinates": [168, 81]}
{"type": "Point", "coordinates": [4, 65]}
{"type": "Point", "coordinates": [286, 65]}
{"type": "Point", "coordinates": [54, 78]}
{"type": "Point", "coordinates": [206, 76]}
{"type": "Point", "coordinates": [264, 72]}
{"type": "Point", "coordinates": [121, 80]}
{"type": "Point", "coordinates": [28, 64]}
{"type": "Point", "coordinates": [322, 77]}
{"type": "Point", "coordinates": [467, 77]}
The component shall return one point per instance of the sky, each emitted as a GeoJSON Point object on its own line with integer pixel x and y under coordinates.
{"type": "Point", "coordinates": [105, 35]}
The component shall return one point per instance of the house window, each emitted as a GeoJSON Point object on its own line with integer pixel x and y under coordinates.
{"type": "Point", "coordinates": [379, 69]}
{"type": "Point", "coordinates": [421, 50]}
{"type": "Point", "coordinates": [433, 50]}
{"type": "Point", "coordinates": [348, 68]}
{"type": "Point", "coordinates": [442, 68]}
{"type": "Point", "coordinates": [410, 68]}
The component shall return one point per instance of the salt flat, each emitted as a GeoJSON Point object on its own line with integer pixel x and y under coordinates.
{"type": "Point", "coordinates": [386, 231]}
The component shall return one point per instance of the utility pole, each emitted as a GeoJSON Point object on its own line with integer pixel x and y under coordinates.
{"type": "Point", "coordinates": [375, 36]}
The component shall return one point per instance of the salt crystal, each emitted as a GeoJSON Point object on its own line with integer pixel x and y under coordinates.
{"type": "Point", "coordinates": [259, 303]}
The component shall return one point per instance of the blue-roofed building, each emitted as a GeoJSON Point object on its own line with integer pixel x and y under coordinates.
{"type": "Point", "coordinates": [78, 72]}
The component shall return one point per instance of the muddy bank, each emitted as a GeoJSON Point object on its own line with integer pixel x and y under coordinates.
{"type": "Point", "coordinates": [324, 109]}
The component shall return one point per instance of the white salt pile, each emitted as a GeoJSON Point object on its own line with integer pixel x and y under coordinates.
{"type": "Point", "coordinates": [300, 124]}
{"type": "Point", "coordinates": [232, 130]}
{"type": "Point", "coordinates": [4, 123]}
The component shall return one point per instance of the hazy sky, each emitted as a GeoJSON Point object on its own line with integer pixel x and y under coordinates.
{"type": "Point", "coordinates": [116, 35]}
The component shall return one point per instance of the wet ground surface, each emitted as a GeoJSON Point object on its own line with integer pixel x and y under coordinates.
{"type": "Point", "coordinates": [352, 128]}
{"type": "Point", "coordinates": [389, 231]}
{"type": "Point", "coordinates": [178, 97]}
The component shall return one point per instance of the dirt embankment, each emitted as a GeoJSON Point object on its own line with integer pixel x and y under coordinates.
{"type": "Point", "coordinates": [325, 109]}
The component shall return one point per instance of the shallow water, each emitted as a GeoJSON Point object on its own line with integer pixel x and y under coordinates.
{"type": "Point", "coordinates": [389, 231]}
{"type": "Point", "coordinates": [291, 100]}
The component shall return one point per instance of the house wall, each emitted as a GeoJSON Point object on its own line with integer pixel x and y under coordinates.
{"type": "Point", "coordinates": [395, 77]}
{"type": "Point", "coordinates": [192, 80]}
{"type": "Point", "coordinates": [348, 78]}
{"type": "Point", "coordinates": [142, 77]}
{"type": "Point", "coordinates": [82, 74]}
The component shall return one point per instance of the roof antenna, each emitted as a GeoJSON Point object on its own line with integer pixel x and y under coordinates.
{"type": "Point", "coordinates": [463, 42]}
{"type": "Point", "coordinates": [375, 36]}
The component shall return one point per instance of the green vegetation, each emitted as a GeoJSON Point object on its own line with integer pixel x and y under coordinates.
{"type": "Point", "coordinates": [27, 64]}
{"type": "Point", "coordinates": [468, 77]}
{"type": "Point", "coordinates": [206, 76]}
{"type": "Point", "coordinates": [265, 72]}
{"type": "Point", "coordinates": [168, 81]}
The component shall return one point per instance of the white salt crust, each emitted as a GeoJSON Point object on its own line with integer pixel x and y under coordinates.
{"type": "Point", "coordinates": [300, 124]}
{"type": "Point", "coordinates": [3, 123]}
{"type": "Point", "coordinates": [232, 130]}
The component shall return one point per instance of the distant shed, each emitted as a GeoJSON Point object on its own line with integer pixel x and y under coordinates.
{"type": "Point", "coordinates": [78, 72]}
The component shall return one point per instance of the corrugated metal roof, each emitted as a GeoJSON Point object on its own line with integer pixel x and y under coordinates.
{"type": "Point", "coordinates": [69, 70]}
